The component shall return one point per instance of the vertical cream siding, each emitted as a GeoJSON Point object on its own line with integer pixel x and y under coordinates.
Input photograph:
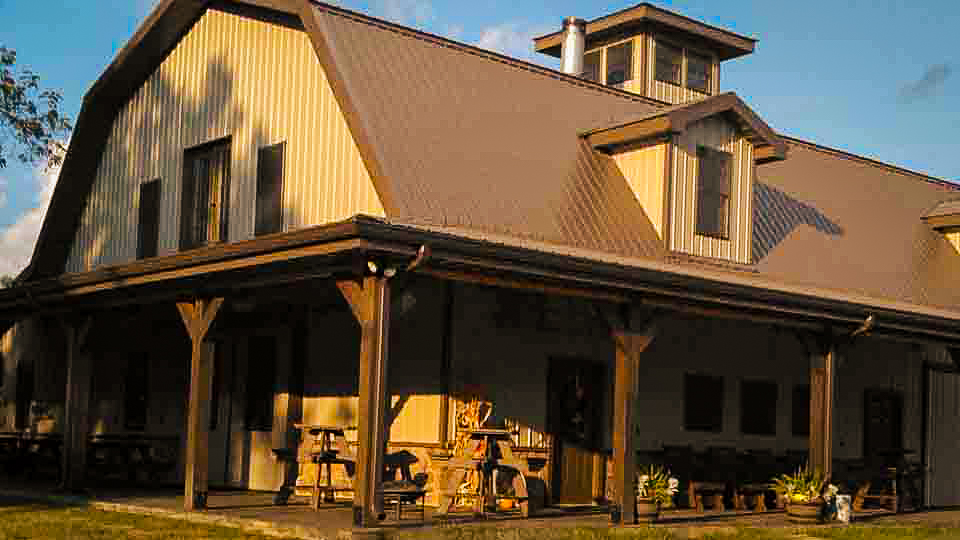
{"type": "Point", "coordinates": [643, 166]}
{"type": "Point", "coordinates": [672, 93]}
{"type": "Point", "coordinates": [954, 238]}
{"type": "Point", "coordinates": [230, 76]}
{"type": "Point", "coordinates": [715, 132]}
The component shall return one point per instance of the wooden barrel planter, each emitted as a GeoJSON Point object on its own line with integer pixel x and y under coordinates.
{"type": "Point", "coordinates": [805, 513]}
{"type": "Point", "coordinates": [647, 510]}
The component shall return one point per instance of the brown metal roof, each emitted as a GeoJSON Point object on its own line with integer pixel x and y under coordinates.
{"type": "Point", "coordinates": [465, 139]}
{"type": "Point", "coordinates": [830, 220]}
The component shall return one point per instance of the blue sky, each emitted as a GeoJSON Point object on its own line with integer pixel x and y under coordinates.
{"type": "Point", "coordinates": [877, 78]}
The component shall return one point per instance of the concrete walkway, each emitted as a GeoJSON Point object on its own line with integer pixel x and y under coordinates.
{"type": "Point", "coordinates": [255, 512]}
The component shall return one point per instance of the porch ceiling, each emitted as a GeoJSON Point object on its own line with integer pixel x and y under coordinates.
{"type": "Point", "coordinates": [341, 250]}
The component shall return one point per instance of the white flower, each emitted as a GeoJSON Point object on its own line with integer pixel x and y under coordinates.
{"type": "Point", "coordinates": [674, 483]}
{"type": "Point", "coordinates": [643, 479]}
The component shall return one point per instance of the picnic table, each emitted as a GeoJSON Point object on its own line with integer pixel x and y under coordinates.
{"type": "Point", "coordinates": [132, 453]}
{"type": "Point", "coordinates": [490, 454]}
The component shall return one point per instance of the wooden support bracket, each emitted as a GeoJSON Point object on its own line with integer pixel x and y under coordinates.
{"type": "Point", "coordinates": [198, 317]}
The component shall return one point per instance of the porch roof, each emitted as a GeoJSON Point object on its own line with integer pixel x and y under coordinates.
{"type": "Point", "coordinates": [341, 250]}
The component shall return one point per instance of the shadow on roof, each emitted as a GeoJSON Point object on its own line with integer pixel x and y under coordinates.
{"type": "Point", "coordinates": [776, 215]}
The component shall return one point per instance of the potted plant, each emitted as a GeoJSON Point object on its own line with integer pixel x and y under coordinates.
{"type": "Point", "coordinates": [655, 490]}
{"type": "Point", "coordinates": [803, 492]}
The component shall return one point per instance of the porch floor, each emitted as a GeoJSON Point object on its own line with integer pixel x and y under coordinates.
{"type": "Point", "coordinates": [256, 511]}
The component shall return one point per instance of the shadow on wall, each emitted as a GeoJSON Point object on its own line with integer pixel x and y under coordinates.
{"type": "Point", "coordinates": [163, 120]}
{"type": "Point", "coordinates": [776, 215]}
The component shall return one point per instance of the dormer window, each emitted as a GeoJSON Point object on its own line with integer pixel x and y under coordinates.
{"type": "Point", "coordinates": [620, 63]}
{"type": "Point", "coordinates": [591, 65]}
{"type": "Point", "coordinates": [612, 65]}
{"type": "Point", "coordinates": [698, 72]}
{"type": "Point", "coordinates": [669, 63]}
{"type": "Point", "coordinates": [713, 192]}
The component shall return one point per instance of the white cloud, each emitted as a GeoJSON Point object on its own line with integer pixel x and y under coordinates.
{"type": "Point", "coordinates": [18, 239]}
{"type": "Point", "coordinates": [512, 39]}
{"type": "Point", "coordinates": [416, 12]}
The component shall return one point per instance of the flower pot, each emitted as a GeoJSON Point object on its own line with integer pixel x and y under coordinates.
{"type": "Point", "coordinates": [809, 512]}
{"type": "Point", "coordinates": [647, 510]}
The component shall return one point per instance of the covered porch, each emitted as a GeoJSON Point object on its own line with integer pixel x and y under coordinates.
{"type": "Point", "coordinates": [394, 330]}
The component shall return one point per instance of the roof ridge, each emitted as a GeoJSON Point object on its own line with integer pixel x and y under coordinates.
{"type": "Point", "coordinates": [873, 162]}
{"type": "Point", "coordinates": [483, 53]}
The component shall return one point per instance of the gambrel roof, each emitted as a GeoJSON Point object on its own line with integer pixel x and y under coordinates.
{"type": "Point", "coordinates": [465, 141]}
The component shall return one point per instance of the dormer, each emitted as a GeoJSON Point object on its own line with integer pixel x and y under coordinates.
{"type": "Point", "coordinates": [945, 219]}
{"type": "Point", "coordinates": [691, 168]}
{"type": "Point", "coordinates": [648, 51]}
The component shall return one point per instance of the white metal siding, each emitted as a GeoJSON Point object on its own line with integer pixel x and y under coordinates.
{"type": "Point", "coordinates": [256, 82]}
{"type": "Point", "coordinates": [719, 133]}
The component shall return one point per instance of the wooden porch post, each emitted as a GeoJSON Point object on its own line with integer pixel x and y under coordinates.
{"type": "Point", "coordinates": [370, 303]}
{"type": "Point", "coordinates": [822, 379]}
{"type": "Point", "coordinates": [77, 407]}
{"type": "Point", "coordinates": [197, 317]}
{"type": "Point", "coordinates": [629, 345]}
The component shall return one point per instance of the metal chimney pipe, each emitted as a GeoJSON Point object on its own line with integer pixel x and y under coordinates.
{"type": "Point", "coordinates": [574, 40]}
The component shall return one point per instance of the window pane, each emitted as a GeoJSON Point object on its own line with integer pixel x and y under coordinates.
{"type": "Point", "coordinates": [148, 226]}
{"type": "Point", "coordinates": [713, 188]}
{"type": "Point", "coordinates": [758, 408]}
{"type": "Point", "coordinates": [591, 66]}
{"type": "Point", "coordinates": [669, 60]}
{"type": "Point", "coordinates": [269, 216]}
{"type": "Point", "coordinates": [620, 63]}
{"type": "Point", "coordinates": [698, 72]}
{"type": "Point", "coordinates": [206, 188]}
{"type": "Point", "coordinates": [703, 403]}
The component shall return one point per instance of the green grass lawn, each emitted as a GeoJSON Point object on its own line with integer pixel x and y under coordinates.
{"type": "Point", "coordinates": [19, 520]}
{"type": "Point", "coordinates": [42, 521]}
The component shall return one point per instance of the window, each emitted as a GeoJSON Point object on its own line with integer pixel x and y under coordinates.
{"type": "Point", "coordinates": [620, 63]}
{"type": "Point", "coordinates": [261, 379]}
{"type": "Point", "coordinates": [800, 411]}
{"type": "Point", "coordinates": [148, 229]}
{"type": "Point", "coordinates": [269, 189]}
{"type": "Point", "coordinates": [713, 192]}
{"type": "Point", "coordinates": [591, 66]}
{"type": "Point", "coordinates": [669, 61]}
{"type": "Point", "coordinates": [702, 403]}
{"type": "Point", "coordinates": [135, 394]}
{"type": "Point", "coordinates": [205, 196]}
{"type": "Point", "coordinates": [698, 72]}
{"type": "Point", "coordinates": [758, 408]}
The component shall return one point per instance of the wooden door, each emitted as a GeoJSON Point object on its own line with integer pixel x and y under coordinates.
{"type": "Point", "coordinates": [576, 395]}
{"type": "Point", "coordinates": [220, 409]}
{"type": "Point", "coordinates": [943, 439]}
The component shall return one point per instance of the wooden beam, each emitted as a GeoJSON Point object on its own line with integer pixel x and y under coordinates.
{"type": "Point", "coordinates": [197, 317]}
{"type": "Point", "coordinates": [370, 303]}
{"type": "Point", "coordinates": [77, 405]}
{"type": "Point", "coordinates": [822, 388]}
{"type": "Point", "coordinates": [629, 346]}
{"type": "Point", "coordinates": [523, 285]}
{"type": "Point", "coordinates": [637, 131]}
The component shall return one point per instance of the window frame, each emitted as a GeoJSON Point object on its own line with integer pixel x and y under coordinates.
{"type": "Point", "coordinates": [148, 245]}
{"type": "Point", "coordinates": [747, 409]}
{"type": "Point", "coordinates": [629, 43]}
{"type": "Point", "coordinates": [599, 51]}
{"type": "Point", "coordinates": [189, 208]}
{"type": "Point", "coordinates": [657, 42]}
{"type": "Point", "coordinates": [722, 231]}
{"type": "Point", "coordinates": [714, 427]}
{"type": "Point", "coordinates": [687, 53]}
